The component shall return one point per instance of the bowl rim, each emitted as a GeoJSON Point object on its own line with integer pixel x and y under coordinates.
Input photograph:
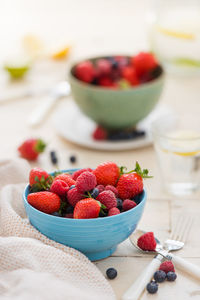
{"type": "Point", "coordinates": [92, 220]}
{"type": "Point", "coordinates": [98, 88]}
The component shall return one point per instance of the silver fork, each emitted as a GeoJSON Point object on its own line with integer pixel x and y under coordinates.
{"type": "Point", "coordinates": [176, 242]}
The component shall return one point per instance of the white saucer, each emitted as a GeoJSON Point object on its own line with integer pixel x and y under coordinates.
{"type": "Point", "coordinates": [72, 125]}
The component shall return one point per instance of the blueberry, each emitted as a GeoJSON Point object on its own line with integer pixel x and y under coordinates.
{"type": "Point", "coordinates": [152, 287]}
{"type": "Point", "coordinates": [53, 157]}
{"type": "Point", "coordinates": [138, 197]}
{"type": "Point", "coordinates": [95, 193]}
{"type": "Point", "coordinates": [69, 210]}
{"type": "Point", "coordinates": [111, 273]}
{"type": "Point", "coordinates": [119, 203]}
{"type": "Point", "coordinates": [56, 214]}
{"type": "Point", "coordinates": [171, 276]}
{"type": "Point", "coordinates": [159, 276]}
{"type": "Point", "coordinates": [72, 159]}
{"type": "Point", "coordinates": [103, 214]}
{"type": "Point", "coordinates": [72, 187]}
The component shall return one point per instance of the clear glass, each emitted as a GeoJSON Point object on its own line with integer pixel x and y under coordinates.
{"type": "Point", "coordinates": [177, 144]}
{"type": "Point", "coordinates": [174, 34]}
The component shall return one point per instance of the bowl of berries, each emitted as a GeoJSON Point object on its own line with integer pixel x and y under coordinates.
{"type": "Point", "coordinates": [90, 210]}
{"type": "Point", "coordinates": [117, 91]}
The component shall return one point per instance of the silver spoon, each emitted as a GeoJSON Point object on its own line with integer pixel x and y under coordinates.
{"type": "Point", "coordinates": [161, 252]}
{"type": "Point", "coordinates": [62, 89]}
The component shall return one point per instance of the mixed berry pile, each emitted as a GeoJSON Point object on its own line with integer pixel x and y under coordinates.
{"type": "Point", "coordinates": [104, 191]}
{"type": "Point", "coordinates": [119, 72]}
{"type": "Point", "coordinates": [147, 242]}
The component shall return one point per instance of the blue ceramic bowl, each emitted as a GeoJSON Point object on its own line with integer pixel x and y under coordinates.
{"type": "Point", "coordinates": [96, 238]}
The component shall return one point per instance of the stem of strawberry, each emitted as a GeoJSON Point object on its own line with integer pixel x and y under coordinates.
{"type": "Point", "coordinates": [143, 173]}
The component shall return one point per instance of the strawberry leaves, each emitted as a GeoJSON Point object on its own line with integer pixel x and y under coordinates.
{"type": "Point", "coordinates": [143, 173]}
{"type": "Point", "coordinates": [41, 184]}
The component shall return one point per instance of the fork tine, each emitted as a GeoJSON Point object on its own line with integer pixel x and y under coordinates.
{"type": "Point", "coordinates": [176, 228]}
{"type": "Point", "coordinates": [187, 231]}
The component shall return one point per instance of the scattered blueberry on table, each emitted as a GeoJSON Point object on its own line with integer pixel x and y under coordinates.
{"type": "Point", "coordinates": [111, 273]}
{"type": "Point", "coordinates": [159, 276]}
{"type": "Point", "coordinates": [152, 287]}
{"type": "Point", "coordinates": [54, 158]}
{"type": "Point", "coordinates": [73, 159]}
{"type": "Point", "coordinates": [171, 276]}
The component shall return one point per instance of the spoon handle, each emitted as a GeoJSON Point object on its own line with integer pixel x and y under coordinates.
{"type": "Point", "coordinates": [185, 265]}
{"type": "Point", "coordinates": [139, 285]}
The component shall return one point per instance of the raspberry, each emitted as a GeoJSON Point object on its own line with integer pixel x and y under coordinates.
{"type": "Point", "coordinates": [113, 211]}
{"type": "Point", "coordinates": [112, 189]}
{"type": "Point", "coordinates": [147, 242]}
{"type": "Point", "coordinates": [100, 187]}
{"type": "Point", "coordinates": [79, 172]}
{"type": "Point", "coordinates": [59, 187]}
{"type": "Point", "coordinates": [107, 82]}
{"type": "Point", "coordinates": [108, 199]}
{"type": "Point", "coordinates": [167, 266]}
{"type": "Point", "coordinates": [128, 204]}
{"type": "Point", "coordinates": [104, 67]}
{"type": "Point", "coordinates": [99, 133]}
{"type": "Point", "coordinates": [85, 71]}
{"type": "Point", "coordinates": [86, 182]}
{"type": "Point", "coordinates": [66, 178]}
{"type": "Point", "coordinates": [73, 196]}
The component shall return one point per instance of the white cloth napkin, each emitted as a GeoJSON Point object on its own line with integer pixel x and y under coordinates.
{"type": "Point", "coordinates": [33, 266]}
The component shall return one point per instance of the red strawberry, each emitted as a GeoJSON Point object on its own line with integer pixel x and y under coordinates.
{"type": "Point", "coordinates": [46, 202]}
{"type": "Point", "coordinates": [85, 71]}
{"type": "Point", "coordinates": [130, 75]}
{"type": "Point", "coordinates": [107, 173]}
{"type": "Point", "coordinates": [167, 266]}
{"type": "Point", "coordinates": [100, 187]}
{"type": "Point", "coordinates": [86, 182]}
{"type": "Point", "coordinates": [37, 173]}
{"type": "Point", "coordinates": [108, 199]}
{"type": "Point", "coordinates": [112, 189]}
{"type": "Point", "coordinates": [66, 178]}
{"type": "Point", "coordinates": [87, 209]}
{"type": "Point", "coordinates": [113, 211]}
{"type": "Point", "coordinates": [79, 172]}
{"type": "Point", "coordinates": [99, 133]}
{"type": "Point", "coordinates": [144, 62]}
{"type": "Point", "coordinates": [73, 196]}
{"type": "Point", "coordinates": [129, 185]}
{"type": "Point", "coordinates": [147, 242]}
{"type": "Point", "coordinates": [59, 187]}
{"type": "Point", "coordinates": [128, 204]}
{"type": "Point", "coordinates": [31, 148]}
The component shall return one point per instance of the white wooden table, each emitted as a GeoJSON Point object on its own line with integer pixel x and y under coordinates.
{"type": "Point", "coordinates": [106, 26]}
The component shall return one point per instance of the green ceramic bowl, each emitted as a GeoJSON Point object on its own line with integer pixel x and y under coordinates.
{"type": "Point", "coordinates": [116, 109]}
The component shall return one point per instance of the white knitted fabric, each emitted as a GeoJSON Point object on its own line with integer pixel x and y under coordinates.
{"type": "Point", "coordinates": [32, 266]}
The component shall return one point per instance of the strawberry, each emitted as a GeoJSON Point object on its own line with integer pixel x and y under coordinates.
{"type": "Point", "coordinates": [31, 148]}
{"type": "Point", "coordinates": [46, 202]}
{"type": "Point", "coordinates": [128, 204]}
{"type": "Point", "coordinates": [85, 71]}
{"type": "Point", "coordinates": [131, 184]}
{"type": "Point", "coordinates": [144, 62]}
{"type": "Point", "coordinates": [66, 178]}
{"type": "Point", "coordinates": [107, 173]}
{"type": "Point", "coordinates": [147, 242]}
{"type": "Point", "coordinates": [130, 75]}
{"type": "Point", "coordinates": [99, 133]}
{"type": "Point", "coordinates": [86, 182]}
{"type": "Point", "coordinates": [36, 174]}
{"type": "Point", "coordinates": [87, 209]}
{"type": "Point", "coordinates": [108, 199]}
{"type": "Point", "coordinates": [59, 187]}
{"type": "Point", "coordinates": [167, 266]}
{"type": "Point", "coordinates": [79, 172]}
